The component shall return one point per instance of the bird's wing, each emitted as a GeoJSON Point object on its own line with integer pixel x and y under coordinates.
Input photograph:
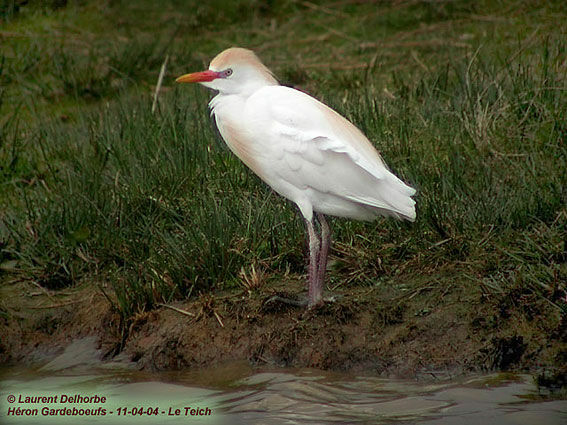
{"type": "Point", "coordinates": [324, 151]}
{"type": "Point", "coordinates": [309, 122]}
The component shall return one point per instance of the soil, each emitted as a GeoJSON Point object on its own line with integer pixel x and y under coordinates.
{"type": "Point", "coordinates": [433, 330]}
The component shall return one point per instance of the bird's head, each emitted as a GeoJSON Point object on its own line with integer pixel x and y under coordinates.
{"type": "Point", "coordinates": [233, 71]}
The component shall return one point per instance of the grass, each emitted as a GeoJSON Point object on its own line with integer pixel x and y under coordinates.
{"type": "Point", "coordinates": [465, 101]}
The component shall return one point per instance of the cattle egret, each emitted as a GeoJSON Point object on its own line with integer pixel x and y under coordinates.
{"type": "Point", "coordinates": [304, 150]}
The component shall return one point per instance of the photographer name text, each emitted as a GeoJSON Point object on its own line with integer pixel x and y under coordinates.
{"type": "Point", "coordinates": [74, 405]}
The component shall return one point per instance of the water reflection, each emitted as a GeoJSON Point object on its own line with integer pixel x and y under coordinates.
{"type": "Point", "coordinates": [237, 394]}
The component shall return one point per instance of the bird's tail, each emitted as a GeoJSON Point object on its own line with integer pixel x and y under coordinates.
{"type": "Point", "coordinates": [400, 198]}
{"type": "Point", "coordinates": [392, 199]}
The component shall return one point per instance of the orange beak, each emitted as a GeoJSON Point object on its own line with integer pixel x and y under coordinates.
{"type": "Point", "coordinates": [198, 77]}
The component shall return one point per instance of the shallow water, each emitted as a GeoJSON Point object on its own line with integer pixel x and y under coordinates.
{"type": "Point", "coordinates": [238, 394]}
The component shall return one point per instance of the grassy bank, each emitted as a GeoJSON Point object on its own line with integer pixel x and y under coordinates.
{"type": "Point", "coordinates": [466, 101]}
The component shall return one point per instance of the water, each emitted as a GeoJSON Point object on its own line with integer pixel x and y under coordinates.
{"type": "Point", "coordinates": [238, 394]}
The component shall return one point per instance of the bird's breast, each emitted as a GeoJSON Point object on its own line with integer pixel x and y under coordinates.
{"type": "Point", "coordinates": [241, 140]}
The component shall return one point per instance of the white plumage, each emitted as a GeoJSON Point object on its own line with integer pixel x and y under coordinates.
{"type": "Point", "coordinates": [303, 149]}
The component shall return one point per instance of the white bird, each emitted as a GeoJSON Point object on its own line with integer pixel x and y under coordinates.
{"type": "Point", "coordinates": [304, 150]}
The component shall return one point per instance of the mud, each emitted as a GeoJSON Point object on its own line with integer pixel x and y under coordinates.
{"type": "Point", "coordinates": [427, 332]}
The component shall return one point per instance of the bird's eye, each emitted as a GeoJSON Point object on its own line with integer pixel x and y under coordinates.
{"type": "Point", "coordinates": [227, 72]}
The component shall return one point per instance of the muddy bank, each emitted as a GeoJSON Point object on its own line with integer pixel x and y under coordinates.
{"type": "Point", "coordinates": [375, 330]}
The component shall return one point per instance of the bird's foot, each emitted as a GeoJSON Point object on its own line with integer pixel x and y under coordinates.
{"type": "Point", "coordinates": [274, 301]}
{"type": "Point", "coordinates": [330, 299]}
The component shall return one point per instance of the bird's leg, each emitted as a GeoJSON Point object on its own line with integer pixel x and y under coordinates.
{"type": "Point", "coordinates": [313, 242]}
{"type": "Point", "coordinates": [315, 288]}
{"type": "Point", "coordinates": [324, 251]}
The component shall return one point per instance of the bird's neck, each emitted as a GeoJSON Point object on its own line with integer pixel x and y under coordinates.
{"type": "Point", "coordinates": [234, 95]}
{"type": "Point", "coordinates": [222, 101]}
